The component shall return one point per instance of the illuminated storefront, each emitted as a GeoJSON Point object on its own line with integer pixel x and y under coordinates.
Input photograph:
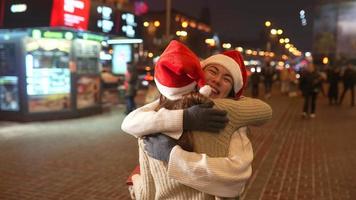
{"type": "Point", "coordinates": [50, 55]}
{"type": "Point", "coordinates": [49, 73]}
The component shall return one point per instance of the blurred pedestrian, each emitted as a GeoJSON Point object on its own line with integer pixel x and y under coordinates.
{"type": "Point", "coordinates": [268, 75]}
{"type": "Point", "coordinates": [293, 83]}
{"type": "Point", "coordinates": [131, 80]}
{"type": "Point", "coordinates": [333, 78]}
{"type": "Point", "coordinates": [310, 84]}
{"type": "Point", "coordinates": [284, 77]}
{"type": "Point", "coordinates": [348, 79]}
{"type": "Point", "coordinates": [255, 82]}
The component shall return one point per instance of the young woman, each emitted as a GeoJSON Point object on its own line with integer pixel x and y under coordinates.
{"type": "Point", "coordinates": [223, 176]}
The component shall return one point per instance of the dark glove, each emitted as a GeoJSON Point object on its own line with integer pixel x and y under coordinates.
{"type": "Point", "coordinates": [203, 117]}
{"type": "Point", "coordinates": [159, 146]}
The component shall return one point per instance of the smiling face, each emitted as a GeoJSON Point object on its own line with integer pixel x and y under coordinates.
{"type": "Point", "coordinates": [220, 79]}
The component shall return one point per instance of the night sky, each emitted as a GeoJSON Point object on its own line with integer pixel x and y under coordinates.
{"type": "Point", "coordinates": [244, 20]}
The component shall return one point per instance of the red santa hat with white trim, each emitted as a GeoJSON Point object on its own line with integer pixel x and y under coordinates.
{"type": "Point", "coordinates": [234, 63]}
{"type": "Point", "coordinates": [178, 72]}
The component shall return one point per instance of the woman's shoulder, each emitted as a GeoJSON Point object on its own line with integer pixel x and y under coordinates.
{"type": "Point", "coordinates": [242, 101]}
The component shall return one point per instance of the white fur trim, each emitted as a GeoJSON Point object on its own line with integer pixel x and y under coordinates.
{"type": "Point", "coordinates": [205, 90]}
{"type": "Point", "coordinates": [230, 64]}
{"type": "Point", "coordinates": [175, 93]}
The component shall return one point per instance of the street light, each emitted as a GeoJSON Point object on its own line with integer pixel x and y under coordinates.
{"type": "Point", "coordinates": [268, 23]}
{"type": "Point", "coordinates": [156, 23]}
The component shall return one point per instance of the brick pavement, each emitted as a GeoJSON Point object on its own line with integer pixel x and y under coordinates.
{"type": "Point", "coordinates": [298, 158]}
{"type": "Point", "coordinates": [82, 159]}
{"type": "Point", "coordinates": [90, 158]}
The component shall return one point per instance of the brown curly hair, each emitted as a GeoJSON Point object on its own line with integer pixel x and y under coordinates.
{"type": "Point", "coordinates": [187, 100]}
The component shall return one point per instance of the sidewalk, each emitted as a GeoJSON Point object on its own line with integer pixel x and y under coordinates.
{"type": "Point", "coordinates": [298, 158]}
{"type": "Point", "coordinates": [90, 158]}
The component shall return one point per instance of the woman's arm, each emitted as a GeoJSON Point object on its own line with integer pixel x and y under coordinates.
{"type": "Point", "coordinates": [219, 176]}
{"type": "Point", "coordinates": [145, 120]}
{"type": "Point", "coordinates": [245, 111]}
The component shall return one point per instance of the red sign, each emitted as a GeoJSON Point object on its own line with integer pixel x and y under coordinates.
{"type": "Point", "coordinates": [2, 12]}
{"type": "Point", "coordinates": [70, 13]}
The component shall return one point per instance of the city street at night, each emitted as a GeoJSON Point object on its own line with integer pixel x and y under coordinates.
{"type": "Point", "coordinates": [73, 73]}
{"type": "Point", "coordinates": [90, 158]}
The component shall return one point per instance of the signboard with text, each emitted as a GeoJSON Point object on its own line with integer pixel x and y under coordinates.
{"type": "Point", "coordinates": [102, 18]}
{"type": "Point", "coordinates": [70, 13]}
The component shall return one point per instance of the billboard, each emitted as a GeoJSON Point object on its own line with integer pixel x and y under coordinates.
{"type": "Point", "coordinates": [70, 13]}
{"type": "Point", "coordinates": [122, 55]}
{"type": "Point", "coordinates": [102, 18]}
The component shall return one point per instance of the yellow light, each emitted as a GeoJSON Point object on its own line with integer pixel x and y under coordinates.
{"type": "Point", "coordinates": [183, 33]}
{"type": "Point", "coordinates": [286, 40]}
{"type": "Point", "coordinates": [239, 49]}
{"type": "Point", "coordinates": [184, 24]}
{"type": "Point", "coordinates": [177, 18]}
{"type": "Point", "coordinates": [156, 23]}
{"type": "Point", "coordinates": [279, 31]}
{"type": "Point", "coordinates": [254, 53]}
{"type": "Point", "coordinates": [210, 42]}
{"type": "Point", "coordinates": [273, 31]}
{"type": "Point", "coordinates": [146, 24]}
{"type": "Point", "coordinates": [248, 51]}
{"type": "Point", "coordinates": [268, 23]}
{"type": "Point", "coordinates": [325, 60]}
{"type": "Point", "coordinates": [261, 53]}
{"type": "Point", "coordinates": [287, 46]}
{"type": "Point", "coordinates": [284, 57]}
{"type": "Point", "coordinates": [281, 40]}
{"type": "Point", "coordinates": [147, 68]}
{"type": "Point", "coordinates": [271, 54]}
{"type": "Point", "coordinates": [226, 45]}
{"type": "Point", "coordinates": [150, 55]}
{"type": "Point", "coordinates": [192, 24]}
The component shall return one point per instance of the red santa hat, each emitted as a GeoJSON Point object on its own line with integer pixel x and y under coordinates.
{"type": "Point", "coordinates": [178, 72]}
{"type": "Point", "coordinates": [234, 63]}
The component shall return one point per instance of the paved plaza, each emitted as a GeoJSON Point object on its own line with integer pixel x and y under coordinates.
{"type": "Point", "coordinates": [90, 158]}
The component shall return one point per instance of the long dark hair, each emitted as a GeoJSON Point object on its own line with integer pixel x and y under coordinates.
{"type": "Point", "coordinates": [187, 100]}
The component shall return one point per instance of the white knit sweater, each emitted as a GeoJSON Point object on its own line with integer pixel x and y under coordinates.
{"type": "Point", "coordinates": [154, 182]}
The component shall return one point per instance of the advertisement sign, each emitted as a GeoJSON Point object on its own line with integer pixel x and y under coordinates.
{"type": "Point", "coordinates": [7, 59]}
{"type": "Point", "coordinates": [122, 55]}
{"type": "Point", "coordinates": [47, 74]}
{"type": "Point", "coordinates": [129, 25]}
{"type": "Point", "coordinates": [86, 53]}
{"type": "Point", "coordinates": [70, 13]}
{"type": "Point", "coordinates": [102, 18]}
{"type": "Point", "coordinates": [2, 12]}
{"type": "Point", "coordinates": [88, 91]}
{"type": "Point", "coordinates": [9, 93]}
